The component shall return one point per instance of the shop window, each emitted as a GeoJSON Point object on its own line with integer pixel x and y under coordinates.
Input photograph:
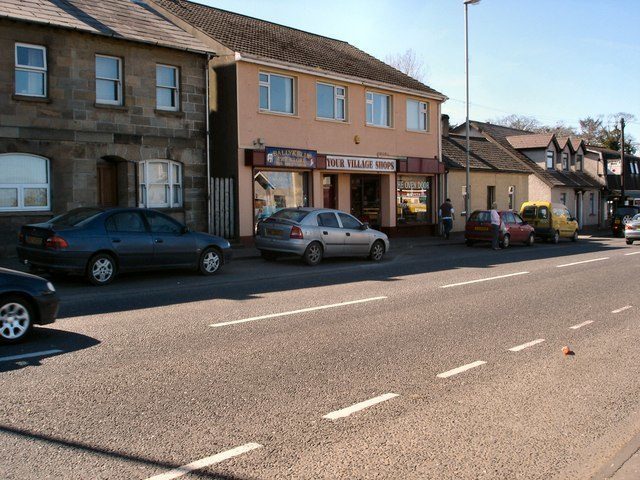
{"type": "Point", "coordinates": [276, 93]}
{"type": "Point", "coordinates": [275, 190]}
{"type": "Point", "coordinates": [378, 109]}
{"type": "Point", "coordinates": [108, 80]}
{"type": "Point", "coordinates": [31, 70]}
{"type": "Point", "coordinates": [417, 116]}
{"type": "Point", "coordinates": [167, 88]}
{"type": "Point", "coordinates": [331, 102]}
{"type": "Point", "coordinates": [24, 182]}
{"type": "Point", "coordinates": [413, 199]}
{"type": "Point", "coordinates": [550, 159]}
{"type": "Point", "coordinates": [160, 184]}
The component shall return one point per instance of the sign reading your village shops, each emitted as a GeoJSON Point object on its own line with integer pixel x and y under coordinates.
{"type": "Point", "coordinates": [290, 157]}
{"type": "Point", "coordinates": [361, 164]}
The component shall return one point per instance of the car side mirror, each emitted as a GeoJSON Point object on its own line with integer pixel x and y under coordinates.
{"type": "Point", "coordinates": [364, 226]}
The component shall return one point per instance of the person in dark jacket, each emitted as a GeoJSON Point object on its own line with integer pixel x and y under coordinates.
{"type": "Point", "coordinates": [447, 213]}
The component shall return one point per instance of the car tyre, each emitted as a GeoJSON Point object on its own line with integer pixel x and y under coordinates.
{"type": "Point", "coordinates": [376, 253]}
{"type": "Point", "coordinates": [268, 256]}
{"type": "Point", "coordinates": [210, 261]}
{"type": "Point", "coordinates": [101, 269]}
{"type": "Point", "coordinates": [629, 241]}
{"type": "Point", "coordinates": [530, 241]}
{"type": "Point", "coordinates": [556, 237]}
{"type": "Point", "coordinates": [574, 237]}
{"type": "Point", "coordinates": [313, 254]}
{"type": "Point", "coordinates": [16, 319]}
{"type": "Point", "coordinates": [506, 241]}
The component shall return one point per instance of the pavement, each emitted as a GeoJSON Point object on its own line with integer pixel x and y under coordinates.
{"type": "Point", "coordinates": [441, 363]}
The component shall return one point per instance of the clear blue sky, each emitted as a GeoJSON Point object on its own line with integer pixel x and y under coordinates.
{"type": "Point", "coordinates": [556, 60]}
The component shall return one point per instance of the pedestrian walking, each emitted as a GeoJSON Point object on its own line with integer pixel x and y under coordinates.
{"type": "Point", "coordinates": [447, 215]}
{"type": "Point", "coordinates": [495, 227]}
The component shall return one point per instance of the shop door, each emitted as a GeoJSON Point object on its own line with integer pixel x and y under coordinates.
{"type": "Point", "coordinates": [329, 189]}
{"type": "Point", "coordinates": [107, 185]}
{"type": "Point", "coordinates": [365, 199]}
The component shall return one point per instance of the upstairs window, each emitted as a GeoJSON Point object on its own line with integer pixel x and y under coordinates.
{"type": "Point", "coordinates": [331, 102]}
{"type": "Point", "coordinates": [167, 88]}
{"type": "Point", "coordinates": [550, 159]}
{"type": "Point", "coordinates": [108, 80]}
{"type": "Point", "coordinates": [565, 161]}
{"type": "Point", "coordinates": [579, 161]}
{"type": "Point", "coordinates": [24, 182]}
{"type": "Point", "coordinates": [276, 93]}
{"type": "Point", "coordinates": [378, 109]}
{"type": "Point", "coordinates": [417, 116]}
{"type": "Point", "coordinates": [31, 70]}
{"type": "Point", "coordinates": [160, 183]}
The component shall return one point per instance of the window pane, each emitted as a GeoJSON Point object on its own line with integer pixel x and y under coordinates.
{"type": "Point", "coordinates": [8, 197]}
{"type": "Point", "coordinates": [264, 77]}
{"type": "Point", "coordinates": [35, 197]}
{"type": "Point", "coordinates": [369, 113]}
{"type": "Point", "coordinates": [281, 94]}
{"type": "Point", "coordinates": [340, 114]}
{"type": "Point", "coordinates": [165, 97]}
{"type": "Point", "coordinates": [107, 68]}
{"type": "Point", "coordinates": [32, 57]}
{"type": "Point", "coordinates": [106, 90]}
{"type": "Point", "coordinates": [158, 172]}
{"type": "Point", "coordinates": [325, 101]}
{"type": "Point", "coordinates": [20, 169]}
{"type": "Point", "coordinates": [177, 195]}
{"type": "Point", "coordinates": [165, 76]}
{"type": "Point", "coordinates": [413, 115]}
{"type": "Point", "coordinates": [29, 83]}
{"type": "Point", "coordinates": [381, 110]}
{"type": "Point", "coordinates": [157, 195]}
{"type": "Point", "coordinates": [277, 190]}
{"type": "Point", "coordinates": [328, 220]}
{"type": "Point", "coordinates": [349, 222]}
{"type": "Point", "coordinates": [264, 97]}
{"type": "Point", "coordinates": [162, 224]}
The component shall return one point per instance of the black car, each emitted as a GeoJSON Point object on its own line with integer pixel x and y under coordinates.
{"type": "Point", "coordinates": [25, 300]}
{"type": "Point", "coordinates": [100, 242]}
{"type": "Point", "coordinates": [621, 216]}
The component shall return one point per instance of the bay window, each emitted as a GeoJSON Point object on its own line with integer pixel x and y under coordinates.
{"type": "Point", "coordinates": [24, 182]}
{"type": "Point", "coordinates": [160, 184]}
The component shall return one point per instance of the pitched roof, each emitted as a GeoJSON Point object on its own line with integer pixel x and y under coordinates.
{"type": "Point", "coordinates": [530, 140]}
{"type": "Point", "coordinates": [124, 19]}
{"type": "Point", "coordinates": [252, 36]}
{"type": "Point", "coordinates": [484, 155]}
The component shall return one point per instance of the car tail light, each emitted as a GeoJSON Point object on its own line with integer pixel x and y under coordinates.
{"type": "Point", "coordinates": [630, 227]}
{"type": "Point", "coordinates": [56, 242]}
{"type": "Point", "coordinates": [296, 232]}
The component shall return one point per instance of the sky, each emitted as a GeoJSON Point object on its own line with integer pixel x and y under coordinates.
{"type": "Point", "coordinates": [555, 60]}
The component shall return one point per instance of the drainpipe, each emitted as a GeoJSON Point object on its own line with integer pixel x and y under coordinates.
{"type": "Point", "coordinates": [208, 154]}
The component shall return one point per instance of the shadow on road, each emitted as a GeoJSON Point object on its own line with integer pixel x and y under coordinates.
{"type": "Point", "coordinates": [60, 442]}
{"type": "Point", "coordinates": [43, 343]}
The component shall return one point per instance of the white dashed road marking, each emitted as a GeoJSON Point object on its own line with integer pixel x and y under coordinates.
{"type": "Point", "coordinates": [526, 345]}
{"type": "Point", "coordinates": [483, 280]}
{"type": "Point", "coordinates": [583, 261]}
{"type": "Point", "coordinates": [29, 355]}
{"type": "Point", "coordinates": [580, 325]}
{"type": "Point", "coordinates": [294, 312]}
{"type": "Point", "coordinates": [345, 412]}
{"type": "Point", "coordinates": [205, 462]}
{"type": "Point", "coordinates": [621, 309]}
{"type": "Point", "coordinates": [632, 253]}
{"type": "Point", "coordinates": [461, 369]}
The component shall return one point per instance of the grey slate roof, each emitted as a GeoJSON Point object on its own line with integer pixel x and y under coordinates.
{"type": "Point", "coordinates": [484, 155]}
{"type": "Point", "coordinates": [123, 19]}
{"type": "Point", "coordinates": [252, 36]}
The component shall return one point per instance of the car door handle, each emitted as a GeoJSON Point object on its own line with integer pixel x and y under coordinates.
{"type": "Point", "coordinates": [325, 233]}
{"type": "Point", "coordinates": [159, 240]}
{"type": "Point", "coordinates": [115, 240]}
{"type": "Point", "coordinates": [348, 234]}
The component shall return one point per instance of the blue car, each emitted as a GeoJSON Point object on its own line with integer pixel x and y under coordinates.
{"type": "Point", "coordinates": [101, 242]}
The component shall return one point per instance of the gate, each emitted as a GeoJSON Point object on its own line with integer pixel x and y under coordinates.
{"type": "Point", "coordinates": [223, 212]}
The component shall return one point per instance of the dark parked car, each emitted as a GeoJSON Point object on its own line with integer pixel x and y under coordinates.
{"type": "Point", "coordinates": [99, 243]}
{"type": "Point", "coordinates": [25, 300]}
{"type": "Point", "coordinates": [513, 229]}
{"type": "Point", "coordinates": [621, 216]}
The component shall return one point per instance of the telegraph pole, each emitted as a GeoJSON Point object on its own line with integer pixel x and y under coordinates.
{"type": "Point", "coordinates": [622, 158]}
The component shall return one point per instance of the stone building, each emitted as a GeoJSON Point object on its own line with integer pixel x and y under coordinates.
{"type": "Point", "coordinates": [101, 103]}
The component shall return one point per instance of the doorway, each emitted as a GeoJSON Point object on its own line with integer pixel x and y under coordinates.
{"type": "Point", "coordinates": [107, 184]}
{"type": "Point", "coordinates": [365, 198]}
{"type": "Point", "coordinates": [329, 191]}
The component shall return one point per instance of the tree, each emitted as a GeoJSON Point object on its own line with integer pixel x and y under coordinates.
{"type": "Point", "coordinates": [610, 138]}
{"type": "Point", "coordinates": [408, 63]}
{"type": "Point", "coordinates": [559, 129]}
{"type": "Point", "coordinates": [590, 128]}
{"type": "Point", "coordinates": [519, 122]}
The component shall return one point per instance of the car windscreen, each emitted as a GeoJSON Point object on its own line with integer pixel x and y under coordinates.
{"type": "Point", "coordinates": [636, 218]}
{"type": "Point", "coordinates": [529, 212]}
{"type": "Point", "coordinates": [480, 217]}
{"type": "Point", "coordinates": [75, 217]}
{"type": "Point", "coordinates": [626, 211]}
{"type": "Point", "coordinates": [289, 215]}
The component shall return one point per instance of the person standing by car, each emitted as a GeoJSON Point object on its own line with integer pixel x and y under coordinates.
{"type": "Point", "coordinates": [495, 227]}
{"type": "Point", "coordinates": [447, 213]}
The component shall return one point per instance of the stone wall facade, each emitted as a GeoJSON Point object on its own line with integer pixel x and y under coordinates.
{"type": "Point", "coordinates": [76, 134]}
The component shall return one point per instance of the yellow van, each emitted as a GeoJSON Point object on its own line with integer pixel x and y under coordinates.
{"type": "Point", "coordinates": [551, 221]}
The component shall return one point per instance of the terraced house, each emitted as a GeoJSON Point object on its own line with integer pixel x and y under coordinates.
{"type": "Point", "coordinates": [305, 120]}
{"type": "Point", "coordinates": [101, 103]}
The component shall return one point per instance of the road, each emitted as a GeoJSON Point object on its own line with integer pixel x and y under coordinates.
{"type": "Point", "coordinates": [441, 363]}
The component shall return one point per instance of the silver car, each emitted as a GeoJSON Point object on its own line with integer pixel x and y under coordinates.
{"type": "Point", "coordinates": [314, 233]}
{"type": "Point", "coordinates": [632, 229]}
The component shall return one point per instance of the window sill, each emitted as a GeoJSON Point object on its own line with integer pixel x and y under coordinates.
{"type": "Point", "coordinates": [168, 113]}
{"type": "Point", "coordinates": [333, 120]}
{"type": "Point", "coordinates": [26, 213]}
{"type": "Point", "coordinates": [278, 114]}
{"type": "Point", "coordinates": [108, 106]}
{"type": "Point", "coordinates": [408, 130]}
{"type": "Point", "coordinates": [29, 98]}
{"type": "Point", "coordinates": [165, 209]}
{"type": "Point", "coordinates": [379, 126]}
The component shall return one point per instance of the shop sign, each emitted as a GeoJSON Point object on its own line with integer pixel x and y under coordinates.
{"type": "Point", "coordinates": [290, 157]}
{"type": "Point", "coordinates": [413, 183]}
{"type": "Point", "coordinates": [361, 164]}
{"type": "Point", "coordinates": [614, 167]}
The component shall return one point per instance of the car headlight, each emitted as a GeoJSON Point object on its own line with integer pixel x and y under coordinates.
{"type": "Point", "coordinates": [50, 287]}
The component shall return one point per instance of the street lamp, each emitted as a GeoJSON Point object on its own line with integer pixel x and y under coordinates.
{"type": "Point", "coordinates": [467, 196]}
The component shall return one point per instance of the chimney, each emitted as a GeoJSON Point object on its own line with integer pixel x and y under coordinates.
{"type": "Point", "coordinates": [444, 120]}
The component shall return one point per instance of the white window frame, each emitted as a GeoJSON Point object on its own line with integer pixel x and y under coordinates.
{"type": "Point", "coordinates": [423, 109]}
{"type": "Point", "coordinates": [550, 165]}
{"type": "Point", "coordinates": [118, 81]}
{"type": "Point", "coordinates": [28, 68]}
{"type": "Point", "coordinates": [268, 85]}
{"type": "Point", "coordinates": [336, 98]}
{"type": "Point", "coordinates": [369, 95]}
{"type": "Point", "coordinates": [175, 91]}
{"type": "Point", "coordinates": [21, 187]}
{"type": "Point", "coordinates": [170, 185]}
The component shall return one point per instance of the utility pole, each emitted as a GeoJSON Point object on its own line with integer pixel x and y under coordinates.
{"type": "Point", "coordinates": [467, 192]}
{"type": "Point", "coordinates": [622, 159]}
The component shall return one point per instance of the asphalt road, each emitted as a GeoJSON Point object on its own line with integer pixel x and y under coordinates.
{"type": "Point", "coordinates": [441, 363]}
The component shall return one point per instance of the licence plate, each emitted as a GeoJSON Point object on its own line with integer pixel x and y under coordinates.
{"type": "Point", "coordinates": [617, 221]}
{"type": "Point", "coordinates": [481, 229]}
{"type": "Point", "coordinates": [273, 233]}
{"type": "Point", "coordinates": [33, 240]}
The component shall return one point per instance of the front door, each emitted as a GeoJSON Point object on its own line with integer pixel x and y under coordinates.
{"type": "Point", "coordinates": [329, 190]}
{"type": "Point", "coordinates": [365, 199]}
{"type": "Point", "coordinates": [172, 245]}
{"type": "Point", "coordinates": [107, 184]}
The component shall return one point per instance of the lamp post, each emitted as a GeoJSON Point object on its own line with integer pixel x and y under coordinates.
{"type": "Point", "coordinates": [467, 196]}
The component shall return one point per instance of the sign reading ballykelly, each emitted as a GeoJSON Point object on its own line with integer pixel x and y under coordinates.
{"type": "Point", "coordinates": [361, 164]}
{"type": "Point", "coordinates": [290, 157]}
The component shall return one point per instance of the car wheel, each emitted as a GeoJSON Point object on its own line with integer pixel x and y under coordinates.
{"type": "Point", "coordinates": [574, 237]}
{"type": "Point", "coordinates": [15, 319]}
{"type": "Point", "coordinates": [506, 241]}
{"type": "Point", "coordinates": [629, 241]}
{"type": "Point", "coordinates": [313, 254]}
{"type": "Point", "coordinates": [530, 241]}
{"type": "Point", "coordinates": [468, 242]}
{"type": "Point", "coordinates": [269, 256]}
{"type": "Point", "coordinates": [101, 269]}
{"type": "Point", "coordinates": [556, 237]}
{"type": "Point", "coordinates": [377, 251]}
{"type": "Point", "coordinates": [210, 261]}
